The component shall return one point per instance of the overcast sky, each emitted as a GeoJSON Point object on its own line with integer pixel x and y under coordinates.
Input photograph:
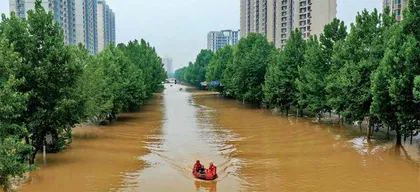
{"type": "Point", "coordinates": [178, 28]}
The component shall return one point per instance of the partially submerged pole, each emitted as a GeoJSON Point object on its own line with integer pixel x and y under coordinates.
{"type": "Point", "coordinates": [44, 154]}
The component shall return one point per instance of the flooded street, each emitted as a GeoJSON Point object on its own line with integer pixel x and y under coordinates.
{"type": "Point", "coordinates": [154, 150]}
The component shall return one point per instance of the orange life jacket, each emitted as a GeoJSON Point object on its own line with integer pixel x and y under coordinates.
{"type": "Point", "coordinates": [197, 166]}
{"type": "Point", "coordinates": [213, 170]}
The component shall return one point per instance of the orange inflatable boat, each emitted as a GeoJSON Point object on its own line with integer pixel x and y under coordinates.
{"type": "Point", "coordinates": [206, 175]}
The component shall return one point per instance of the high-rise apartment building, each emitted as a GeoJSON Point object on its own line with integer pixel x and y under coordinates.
{"type": "Point", "coordinates": [396, 6]}
{"type": "Point", "coordinates": [21, 7]}
{"type": "Point", "coordinates": [277, 18]}
{"type": "Point", "coordinates": [106, 25]}
{"type": "Point", "coordinates": [90, 25]}
{"type": "Point", "coordinates": [63, 11]}
{"type": "Point", "coordinates": [219, 39]}
{"type": "Point", "coordinates": [113, 34]}
{"type": "Point", "coordinates": [168, 64]}
{"type": "Point", "coordinates": [86, 24]}
{"type": "Point", "coordinates": [82, 20]}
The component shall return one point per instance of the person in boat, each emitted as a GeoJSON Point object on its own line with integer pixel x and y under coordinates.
{"type": "Point", "coordinates": [198, 167]}
{"type": "Point", "coordinates": [212, 169]}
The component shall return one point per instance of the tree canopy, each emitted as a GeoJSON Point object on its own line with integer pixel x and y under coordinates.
{"type": "Point", "coordinates": [47, 87]}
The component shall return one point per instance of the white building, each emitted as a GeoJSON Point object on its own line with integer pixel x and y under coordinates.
{"type": "Point", "coordinates": [89, 22]}
{"type": "Point", "coordinates": [277, 18]}
{"type": "Point", "coordinates": [106, 25]}
{"type": "Point", "coordinates": [21, 7]}
{"type": "Point", "coordinates": [396, 6]}
{"type": "Point", "coordinates": [168, 64]}
{"type": "Point", "coordinates": [63, 11]}
{"type": "Point", "coordinates": [219, 39]}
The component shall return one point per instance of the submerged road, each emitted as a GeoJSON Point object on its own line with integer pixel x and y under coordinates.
{"type": "Point", "coordinates": [254, 150]}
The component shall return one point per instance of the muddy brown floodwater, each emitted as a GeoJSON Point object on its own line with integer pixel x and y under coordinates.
{"type": "Point", "coordinates": [154, 150]}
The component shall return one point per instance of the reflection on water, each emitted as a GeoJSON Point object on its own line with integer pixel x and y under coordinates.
{"type": "Point", "coordinates": [209, 186]}
{"type": "Point", "coordinates": [99, 157]}
{"type": "Point", "coordinates": [289, 154]}
{"type": "Point", "coordinates": [254, 150]}
{"type": "Point", "coordinates": [188, 134]}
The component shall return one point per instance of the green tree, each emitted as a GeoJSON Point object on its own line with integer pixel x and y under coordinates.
{"type": "Point", "coordinates": [50, 76]}
{"type": "Point", "coordinates": [286, 73]}
{"type": "Point", "coordinates": [14, 153]}
{"type": "Point", "coordinates": [250, 62]}
{"type": "Point", "coordinates": [196, 72]}
{"type": "Point", "coordinates": [394, 81]}
{"type": "Point", "coordinates": [217, 65]}
{"type": "Point", "coordinates": [331, 40]}
{"type": "Point", "coordinates": [271, 88]}
{"type": "Point", "coordinates": [334, 32]}
{"type": "Point", "coordinates": [416, 90]}
{"type": "Point", "coordinates": [353, 63]}
{"type": "Point", "coordinates": [180, 73]}
{"type": "Point", "coordinates": [93, 87]}
{"type": "Point", "coordinates": [311, 82]}
{"type": "Point", "coordinates": [124, 81]}
{"type": "Point", "coordinates": [189, 75]}
{"type": "Point", "coordinates": [145, 58]}
{"type": "Point", "coordinates": [228, 76]}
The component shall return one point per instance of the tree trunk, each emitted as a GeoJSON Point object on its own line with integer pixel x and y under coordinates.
{"type": "Point", "coordinates": [339, 118]}
{"type": "Point", "coordinates": [369, 131]}
{"type": "Point", "coordinates": [388, 132]}
{"type": "Point", "coordinates": [399, 143]}
{"type": "Point", "coordinates": [360, 127]}
{"type": "Point", "coordinates": [27, 140]}
{"type": "Point", "coordinates": [33, 155]}
{"type": "Point", "coordinates": [411, 139]}
{"type": "Point", "coordinates": [319, 116]}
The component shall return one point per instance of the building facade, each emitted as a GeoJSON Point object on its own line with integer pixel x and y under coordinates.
{"type": "Point", "coordinates": [82, 21]}
{"type": "Point", "coordinates": [63, 11]}
{"type": "Point", "coordinates": [168, 65]}
{"type": "Point", "coordinates": [219, 39]}
{"type": "Point", "coordinates": [396, 6]}
{"type": "Point", "coordinates": [90, 26]}
{"type": "Point", "coordinates": [113, 34]}
{"type": "Point", "coordinates": [106, 25]}
{"type": "Point", "coordinates": [21, 7]}
{"type": "Point", "coordinates": [277, 18]}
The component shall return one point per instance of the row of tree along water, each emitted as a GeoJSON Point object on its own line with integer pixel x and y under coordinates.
{"type": "Point", "coordinates": [48, 87]}
{"type": "Point", "coordinates": [371, 73]}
